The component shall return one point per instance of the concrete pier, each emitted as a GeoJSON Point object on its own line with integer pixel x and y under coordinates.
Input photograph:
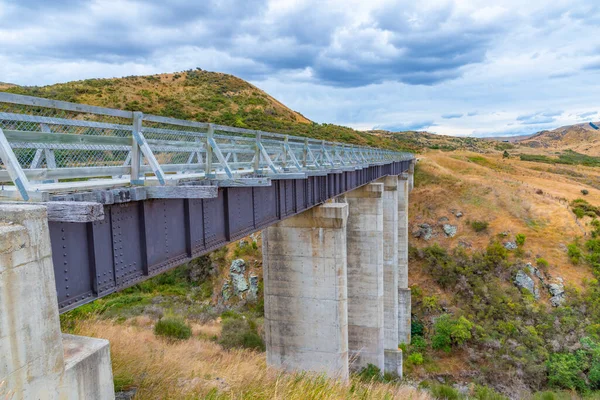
{"type": "Point", "coordinates": [404, 304]}
{"type": "Point", "coordinates": [393, 356]}
{"type": "Point", "coordinates": [306, 311]}
{"type": "Point", "coordinates": [365, 276]}
{"type": "Point", "coordinates": [34, 361]}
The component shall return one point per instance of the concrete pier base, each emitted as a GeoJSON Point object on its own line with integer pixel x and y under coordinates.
{"type": "Point", "coordinates": [33, 364]}
{"type": "Point", "coordinates": [404, 317]}
{"type": "Point", "coordinates": [393, 361]}
{"type": "Point", "coordinates": [365, 276]}
{"type": "Point", "coordinates": [393, 358]}
{"type": "Point", "coordinates": [306, 325]}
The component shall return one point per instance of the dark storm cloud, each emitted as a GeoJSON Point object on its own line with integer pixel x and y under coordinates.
{"type": "Point", "coordinates": [309, 37]}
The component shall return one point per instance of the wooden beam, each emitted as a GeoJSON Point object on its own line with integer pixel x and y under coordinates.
{"type": "Point", "coordinates": [181, 192]}
{"type": "Point", "coordinates": [70, 211]}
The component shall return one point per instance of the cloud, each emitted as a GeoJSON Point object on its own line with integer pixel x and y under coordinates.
{"type": "Point", "coordinates": [339, 46]}
{"type": "Point", "coordinates": [542, 117]}
{"type": "Point", "coordinates": [407, 126]}
{"type": "Point", "coordinates": [348, 62]}
{"type": "Point", "coordinates": [587, 114]}
{"type": "Point", "coordinates": [452, 116]}
{"type": "Point", "coordinates": [592, 66]}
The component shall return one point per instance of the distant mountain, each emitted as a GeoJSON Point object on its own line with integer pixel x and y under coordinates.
{"type": "Point", "coordinates": [5, 85]}
{"type": "Point", "coordinates": [582, 138]}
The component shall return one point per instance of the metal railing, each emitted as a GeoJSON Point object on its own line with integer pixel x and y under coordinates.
{"type": "Point", "coordinates": [46, 144]}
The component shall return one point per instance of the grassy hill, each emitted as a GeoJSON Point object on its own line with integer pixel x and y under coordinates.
{"type": "Point", "coordinates": [582, 138]}
{"type": "Point", "coordinates": [207, 97]}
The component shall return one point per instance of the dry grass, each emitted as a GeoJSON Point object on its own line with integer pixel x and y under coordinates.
{"type": "Point", "coordinates": [513, 196]}
{"type": "Point", "coordinates": [199, 368]}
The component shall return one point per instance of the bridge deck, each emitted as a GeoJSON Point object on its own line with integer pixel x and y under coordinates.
{"type": "Point", "coordinates": [171, 190]}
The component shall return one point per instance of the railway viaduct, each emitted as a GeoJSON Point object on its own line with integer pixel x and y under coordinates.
{"type": "Point", "coordinates": [95, 200]}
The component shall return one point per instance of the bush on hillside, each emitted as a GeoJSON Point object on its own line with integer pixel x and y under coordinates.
{"type": "Point", "coordinates": [173, 328]}
{"type": "Point", "coordinates": [542, 262]}
{"type": "Point", "coordinates": [449, 332]}
{"type": "Point", "coordinates": [520, 239]}
{"type": "Point", "coordinates": [239, 333]}
{"type": "Point", "coordinates": [479, 226]}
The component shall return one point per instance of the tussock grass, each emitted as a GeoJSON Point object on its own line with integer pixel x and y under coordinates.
{"type": "Point", "coordinates": [200, 368]}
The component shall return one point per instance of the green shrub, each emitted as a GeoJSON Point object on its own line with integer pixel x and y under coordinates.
{"type": "Point", "coordinates": [173, 328]}
{"type": "Point", "coordinates": [122, 381]}
{"type": "Point", "coordinates": [565, 371]}
{"type": "Point", "coordinates": [542, 262]}
{"type": "Point", "coordinates": [574, 253]}
{"type": "Point", "coordinates": [487, 393]}
{"type": "Point", "coordinates": [585, 192]}
{"type": "Point", "coordinates": [520, 239]}
{"type": "Point", "coordinates": [415, 359]}
{"type": "Point", "coordinates": [239, 333]}
{"type": "Point", "coordinates": [418, 343]}
{"type": "Point", "coordinates": [444, 392]}
{"type": "Point", "coordinates": [449, 331]}
{"type": "Point", "coordinates": [479, 226]}
{"type": "Point", "coordinates": [370, 373]}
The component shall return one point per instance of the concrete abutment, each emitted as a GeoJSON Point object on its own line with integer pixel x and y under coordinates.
{"type": "Point", "coordinates": [36, 360]}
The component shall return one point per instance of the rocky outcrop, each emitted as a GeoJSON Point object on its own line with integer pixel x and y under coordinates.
{"type": "Point", "coordinates": [425, 232]}
{"type": "Point", "coordinates": [524, 281]}
{"type": "Point", "coordinates": [510, 245]}
{"type": "Point", "coordinates": [238, 279]}
{"type": "Point", "coordinates": [557, 290]}
{"type": "Point", "coordinates": [450, 230]}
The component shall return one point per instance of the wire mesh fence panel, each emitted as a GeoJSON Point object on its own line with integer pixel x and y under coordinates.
{"type": "Point", "coordinates": [47, 137]}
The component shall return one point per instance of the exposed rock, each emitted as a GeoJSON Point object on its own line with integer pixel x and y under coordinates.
{"type": "Point", "coordinates": [450, 230]}
{"type": "Point", "coordinates": [505, 234]}
{"type": "Point", "coordinates": [126, 394]}
{"type": "Point", "coordinates": [242, 243]}
{"type": "Point", "coordinates": [466, 245]}
{"type": "Point", "coordinates": [237, 266]}
{"type": "Point", "coordinates": [226, 291]}
{"type": "Point", "coordinates": [424, 232]}
{"type": "Point", "coordinates": [530, 268]}
{"type": "Point", "coordinates": [557, 290]}
{"type": "Point", "coordinates": [443, 219]}
{"type": "Point", "coordinates": [524, 281]}
{"type": "Point", "coordinates": [238, 280]}
{"type": "Point", "coordinates": [201, 269]}
{"type": "Point", "coordinates": [558, 300]}
{"type": "Point", "coordinates": [510, 245]}
{"type": "Point", "coordinates": [458, 214]}
{"type": "Point", "coordinates": [253, 294]}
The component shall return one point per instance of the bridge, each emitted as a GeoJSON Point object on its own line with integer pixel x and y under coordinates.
{"type": "Point", "coordinates": [96, 200]}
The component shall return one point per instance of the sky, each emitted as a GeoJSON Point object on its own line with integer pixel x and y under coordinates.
{"type": "Point", "coordinates": [456, 67]}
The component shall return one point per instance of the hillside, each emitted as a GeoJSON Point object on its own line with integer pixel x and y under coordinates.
{"type": "Point", "coordinates": [207, 97]}
{"type": "Point", "coordinates": [582, 138]}
{"type": "Point", "coordinates": [4, 85]}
